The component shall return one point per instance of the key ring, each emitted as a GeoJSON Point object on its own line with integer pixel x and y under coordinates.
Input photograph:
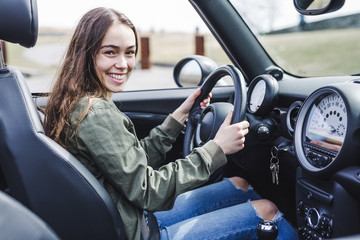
{"type": "Point", "coordinates": [274, 158]}
{"type": "Point", "coordinates": [274, 152]}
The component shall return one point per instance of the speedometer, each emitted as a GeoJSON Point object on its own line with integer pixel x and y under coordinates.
{"type": "Point", "coordinates": [327, 131]}
{"type": "Point", "coordinates": [327, 123]}
{"type": "Point", "coordinates": [262, 94]}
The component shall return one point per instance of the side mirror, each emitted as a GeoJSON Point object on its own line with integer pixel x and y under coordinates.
{"type": "Point", "coordinates": [193, 70]}
{"type": "Point", "coordinates": [317, 7]}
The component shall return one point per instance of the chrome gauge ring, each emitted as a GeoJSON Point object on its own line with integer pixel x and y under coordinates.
{"type": "Point", "coordinates": [262, 95]}
{"type": "Point", "coordinates": [324, 130]}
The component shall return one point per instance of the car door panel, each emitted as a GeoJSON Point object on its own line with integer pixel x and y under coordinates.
{"type": "Point", "coordinates": [148, 109]}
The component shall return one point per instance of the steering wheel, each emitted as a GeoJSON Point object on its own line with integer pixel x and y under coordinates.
{"type": "Point", "coordinates": [203, 125]}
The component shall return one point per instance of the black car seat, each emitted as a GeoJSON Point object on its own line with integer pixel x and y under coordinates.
{"type": "Point", "coordinates": [39, 173]}
{"type": "Point", "coordinates": [18, 222]}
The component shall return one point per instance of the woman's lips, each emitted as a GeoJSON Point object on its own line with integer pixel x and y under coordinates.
{"type": "Point", "coordinates": [117, 78]}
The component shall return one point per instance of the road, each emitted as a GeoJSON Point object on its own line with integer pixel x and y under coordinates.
{"type": "Point", "coordinates": [154, 78]}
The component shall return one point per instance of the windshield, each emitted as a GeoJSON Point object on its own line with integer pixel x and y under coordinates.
{"type": "Point", "coordinates": [306, 45]}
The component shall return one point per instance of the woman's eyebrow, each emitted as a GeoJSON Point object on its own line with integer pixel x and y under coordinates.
{"type": "Point", "coordinates": [116, 47]}
{"type": "Point", "coordinates": [109, 46]}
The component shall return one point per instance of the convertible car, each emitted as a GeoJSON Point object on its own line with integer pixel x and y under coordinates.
{"type": "Point", "coordinates": [294, 75]}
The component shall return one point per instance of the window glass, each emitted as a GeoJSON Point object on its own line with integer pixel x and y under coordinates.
{"type": "Point", "coordinates": [169, 40]}
{"type": "Point", "coordinates": [306, 45]}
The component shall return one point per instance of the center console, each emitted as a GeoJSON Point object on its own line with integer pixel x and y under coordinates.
{"type": "Point", "coordinates": [324, 208]}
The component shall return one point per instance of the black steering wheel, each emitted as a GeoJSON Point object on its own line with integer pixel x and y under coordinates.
{"type": "Point", "coordinates": [202, 125]}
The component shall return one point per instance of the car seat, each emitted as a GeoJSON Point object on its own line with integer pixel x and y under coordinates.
{"type": "Point", "coordinates": [40, 173]}
{"type": "Point", "coordinates": [18, 222]}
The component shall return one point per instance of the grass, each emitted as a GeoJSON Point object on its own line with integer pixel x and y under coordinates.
{"type": "Point", "coordinates": [327, 52]}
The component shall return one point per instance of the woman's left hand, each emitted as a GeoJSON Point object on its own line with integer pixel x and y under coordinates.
{"type": "Point", "coordinates": [182, 112]}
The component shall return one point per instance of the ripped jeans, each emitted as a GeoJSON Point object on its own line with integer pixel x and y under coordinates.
{"type": "Point", "coordinates": [216, 211]}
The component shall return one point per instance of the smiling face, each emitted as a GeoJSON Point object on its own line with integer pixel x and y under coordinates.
{"type": "Point", "coordinates": [115, 59]}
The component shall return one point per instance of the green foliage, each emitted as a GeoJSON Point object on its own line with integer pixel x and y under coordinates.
{"type": "Point", "coordinates": [316, 53]}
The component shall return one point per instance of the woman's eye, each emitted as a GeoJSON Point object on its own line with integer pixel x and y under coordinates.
{"type": "Point", "coordinates": [109, 52]}
{"type": "Point", "coordinates": [131, 52]}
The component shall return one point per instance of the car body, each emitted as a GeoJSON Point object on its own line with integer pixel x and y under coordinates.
{"type": "Point", "coordinates": [293, 101]}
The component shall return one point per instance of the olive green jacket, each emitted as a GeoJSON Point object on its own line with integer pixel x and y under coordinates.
{"type": "Point", "coordinates": [107, 145]}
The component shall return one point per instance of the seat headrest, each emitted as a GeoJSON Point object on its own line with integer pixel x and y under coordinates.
{"type": "Point", "coordinates": [19, 22]}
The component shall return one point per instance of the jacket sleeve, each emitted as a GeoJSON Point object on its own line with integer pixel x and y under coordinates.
{"type": "Point", "coordinates": [160, 140]}
{"type": "Point", "coordinates": [111, 143]}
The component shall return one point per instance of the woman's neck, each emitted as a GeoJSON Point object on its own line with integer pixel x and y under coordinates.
{"type": "Point", "coordinates": [108, 95]}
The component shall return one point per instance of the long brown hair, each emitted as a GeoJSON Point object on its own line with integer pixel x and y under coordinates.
{"type": "Point", "coordinates": [77, 75]}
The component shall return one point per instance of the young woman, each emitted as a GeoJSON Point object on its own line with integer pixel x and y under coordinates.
{"type": "Point", "coordinates": [81, 117]}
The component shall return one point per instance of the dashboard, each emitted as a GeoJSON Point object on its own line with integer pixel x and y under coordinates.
{"type": "Point", "coordinates": [323, 138]}
{"type": "Point", "coordinates": [325, 127]}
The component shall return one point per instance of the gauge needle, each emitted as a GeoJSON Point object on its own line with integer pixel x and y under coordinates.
{"type": "Point", "coordinates": [320, 129]}
{"type": "Point", "coordinates": [331, 129]}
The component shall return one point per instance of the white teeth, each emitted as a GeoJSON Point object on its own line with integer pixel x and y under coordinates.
{"type": "Point", "coordinates": [117, 76]}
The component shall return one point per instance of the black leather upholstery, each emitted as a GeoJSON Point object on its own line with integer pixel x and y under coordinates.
{"type": "Point", "coordinates": [44, 176]}
{"type": "Point", "coordinates": [17, 222]}
{"type": "Point", "coordinates": [19, 22]}
{"type": "Point", "coordinates": [39, 173]}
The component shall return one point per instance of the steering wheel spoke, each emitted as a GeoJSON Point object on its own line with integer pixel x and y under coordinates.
{"type": "Point", "coordinates": [210, 121]}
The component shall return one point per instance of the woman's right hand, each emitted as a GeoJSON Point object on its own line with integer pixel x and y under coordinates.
{"type": "Point", "coordinates": [231, 137]}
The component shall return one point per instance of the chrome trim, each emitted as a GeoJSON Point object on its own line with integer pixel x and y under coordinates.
{"type": "Point", "coordinates": [2, 60]}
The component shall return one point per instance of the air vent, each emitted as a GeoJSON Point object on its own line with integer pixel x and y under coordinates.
{"type": "Point", "coordinates": [292, 115]}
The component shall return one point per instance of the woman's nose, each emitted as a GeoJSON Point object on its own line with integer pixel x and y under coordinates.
{"type": "Point", "coordinates": [121, 62]}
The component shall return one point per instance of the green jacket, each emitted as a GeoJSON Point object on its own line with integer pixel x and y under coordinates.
{"type": "Point", "coordinates": [107, 145]}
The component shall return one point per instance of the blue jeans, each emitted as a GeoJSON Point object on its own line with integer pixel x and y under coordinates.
{"type": "Point", "coordinates": [216, 211]}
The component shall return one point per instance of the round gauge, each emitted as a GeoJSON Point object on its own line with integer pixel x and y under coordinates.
{"type": "Point", "coordinates": [327, 123]}
{"type": "Point", "coordinates": [327, 131]}
{"type": "Point", "coordinates": [257, 96]}
{"type": "Point", "coordinates": [262, 94]}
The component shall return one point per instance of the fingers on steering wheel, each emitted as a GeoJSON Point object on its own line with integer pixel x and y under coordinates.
{"type": "Point", "coordinates": [205, 102]}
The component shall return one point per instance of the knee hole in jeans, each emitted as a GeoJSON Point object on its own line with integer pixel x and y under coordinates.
{"type": "Point", "coordinates": [265, 208]}
{"type": "Point", "coordinates": [239, 183]}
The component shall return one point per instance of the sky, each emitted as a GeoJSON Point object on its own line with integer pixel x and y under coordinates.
{"type": "Point", "coordinates": [173, 15]}
{"type": "Point", "coordinates": [161, 15]}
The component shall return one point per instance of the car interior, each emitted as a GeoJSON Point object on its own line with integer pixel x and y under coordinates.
{"type": "Point", "coordinates": [302, 150]}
